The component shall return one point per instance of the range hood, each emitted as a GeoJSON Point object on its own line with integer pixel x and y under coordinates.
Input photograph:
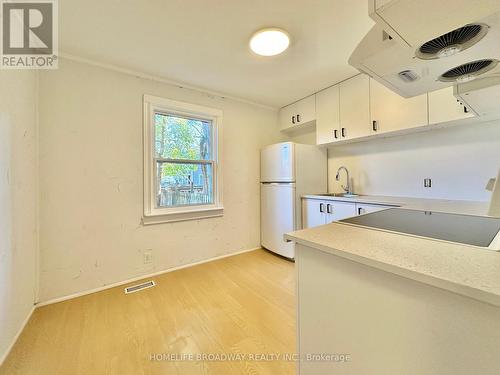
{"type": "Point", "coordinates": [417, 46]}
{"type": "Point", "coordinates": [481, 95]}
{"type": "Point", "coordinates": [413, 22]}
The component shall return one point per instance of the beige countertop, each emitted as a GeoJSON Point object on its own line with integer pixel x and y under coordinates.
{"type": "Point", "coordinates": [462, 269]}
{"type": "Point", "coordinates": [439, 205]}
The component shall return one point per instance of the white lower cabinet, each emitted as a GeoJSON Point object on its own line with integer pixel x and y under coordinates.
{"type": "Point", "coordinates": [318, 212]}
{"type": "Point", "coordinates": [313, 213]}
{"type": "Point", "coordinates": [339, 210]}
{"type": "Point", "coordinates": [362, 208]}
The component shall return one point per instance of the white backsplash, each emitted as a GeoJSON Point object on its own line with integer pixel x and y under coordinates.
{"type": "Point", "coordinates": [459, 160]}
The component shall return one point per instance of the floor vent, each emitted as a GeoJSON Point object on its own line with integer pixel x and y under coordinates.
{"type": "Point", "coordinates": [136, 288]}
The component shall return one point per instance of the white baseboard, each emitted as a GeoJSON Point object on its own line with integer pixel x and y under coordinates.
{"type": "Point", "coordinates": [90, 291]}
{"type": "Point", "coordinates": [14, 339]}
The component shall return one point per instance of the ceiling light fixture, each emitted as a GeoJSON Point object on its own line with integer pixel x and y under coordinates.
{"type": "Point", "coordinates": [269, 42]}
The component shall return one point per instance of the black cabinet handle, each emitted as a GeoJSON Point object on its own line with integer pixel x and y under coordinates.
{"type": "Point", "coordinates": [335, 134]}
{"type": "Point", "coordinates": [374, 126]}
{"type": "Point", "coordinates": [329, 208]}
{"type": "Point", "coordinates": [321, 207]}
{"type": "Point", "coordinates": [342, 132]}
{"type": "Point", "coordinates": [298, 118]}
{"type": "Point", "coordinates": [293, 119]}
{"type": "Point", "coordinates": [466, 110]}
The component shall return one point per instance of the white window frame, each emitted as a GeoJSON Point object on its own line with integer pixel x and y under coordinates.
{"type": "Point", "coordinates": [153, 214]}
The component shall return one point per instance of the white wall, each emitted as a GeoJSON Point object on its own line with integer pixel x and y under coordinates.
{"type": "Point", "coordinates": [460, 160]}
{"type": "Point", "coordinates": [18, 202]}
{"type": "Point", "coordinates": [91, 181]}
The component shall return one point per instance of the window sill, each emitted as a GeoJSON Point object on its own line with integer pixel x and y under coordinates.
{"type": "Point", "coordinates": [173, 217]}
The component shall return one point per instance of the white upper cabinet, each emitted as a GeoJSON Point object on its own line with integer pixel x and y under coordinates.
{"type": "Point", "coordinates": [328, 115]}
{"type": "Point", "coordinates": [306, 110]}
{"type": "Point", "coordinates": [391, 112]}
{"type": "Point", "coordinates": [444, 107]}
{"type": "Point", "coordinates": [361, 107]}
{"type": "Point", "coordinates": [298, 114]}
{"type": "Point", "coordinates": [285, 116]}
{"type": "Point", "coordinates": [355, 107]}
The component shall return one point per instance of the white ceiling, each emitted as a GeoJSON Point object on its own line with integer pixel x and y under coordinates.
{"type": "Point", "coordinates": [204, 43]}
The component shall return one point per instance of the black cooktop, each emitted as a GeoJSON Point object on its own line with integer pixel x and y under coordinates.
{"type": "Point", "coordinates": [465, 229]}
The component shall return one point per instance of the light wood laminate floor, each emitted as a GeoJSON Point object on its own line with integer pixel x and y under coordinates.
{"type": "Point", "coordinates": [243, 304]}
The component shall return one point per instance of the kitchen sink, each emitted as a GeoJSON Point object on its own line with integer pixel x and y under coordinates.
{"type": "Point", "coordinates": [341, 195]}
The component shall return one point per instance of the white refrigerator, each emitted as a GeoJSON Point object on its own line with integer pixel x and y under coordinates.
{"type": "Point", "coordinates": [287, 171]}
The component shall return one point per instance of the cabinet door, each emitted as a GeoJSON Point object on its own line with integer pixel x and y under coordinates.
{"type": "Point", "coordinates": [444, 107]}
{"type": "Point", "coordinates": [390, 111]}
{"type": "Point", "coordinates": [287, 116]}
{"type": "Point", "coordinates": [336, 210]}
{"type": "Point", "coordinates": [328, 115]}
{"type": "Point", "coordinates": [313, 213]}
{"type": "Point", "coordinates": [355, 107]}
{"type": "Point", "coordinates": [306, 110]}
{"type": "Point", "coordinates": [362, 208]}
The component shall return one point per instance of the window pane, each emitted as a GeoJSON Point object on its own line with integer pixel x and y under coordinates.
{"type": "Point", "coordinates": [182, 138]}
{"type": "Point", "coordinates": [182, 184]}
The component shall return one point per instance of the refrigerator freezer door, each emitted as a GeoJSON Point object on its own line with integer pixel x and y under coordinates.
{"type": "Point", "coordinates": [277, 163]}
{"type": "Point", "coordinates": [277, 217]}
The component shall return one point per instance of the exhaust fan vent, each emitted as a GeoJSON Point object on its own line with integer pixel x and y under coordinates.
{"type": "Point", "coordinates": [453, 42]}
{"type": "Point", "coordinates": [469, 71]}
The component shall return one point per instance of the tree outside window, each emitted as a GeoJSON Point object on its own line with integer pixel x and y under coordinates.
{"type": "Point", "coordinates": [184, 160]}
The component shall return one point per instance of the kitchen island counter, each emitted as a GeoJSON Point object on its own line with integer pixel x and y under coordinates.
{"type": "Point", "coordinates": [463, 269]}
{"type": "Point", "coordinates": [396, 303]}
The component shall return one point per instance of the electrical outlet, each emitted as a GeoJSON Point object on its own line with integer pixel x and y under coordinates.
{"type": "Point", "coordinates": [148, 256]}
{"type": "Point", "coordinates": [427, 182]}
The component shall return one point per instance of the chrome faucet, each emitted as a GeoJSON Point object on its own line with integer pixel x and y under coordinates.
{"type": "Point", "coordinates": [346, 188]}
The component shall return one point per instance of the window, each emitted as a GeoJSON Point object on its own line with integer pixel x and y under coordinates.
{"type": "Point", "coordinates": [182, 172]}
